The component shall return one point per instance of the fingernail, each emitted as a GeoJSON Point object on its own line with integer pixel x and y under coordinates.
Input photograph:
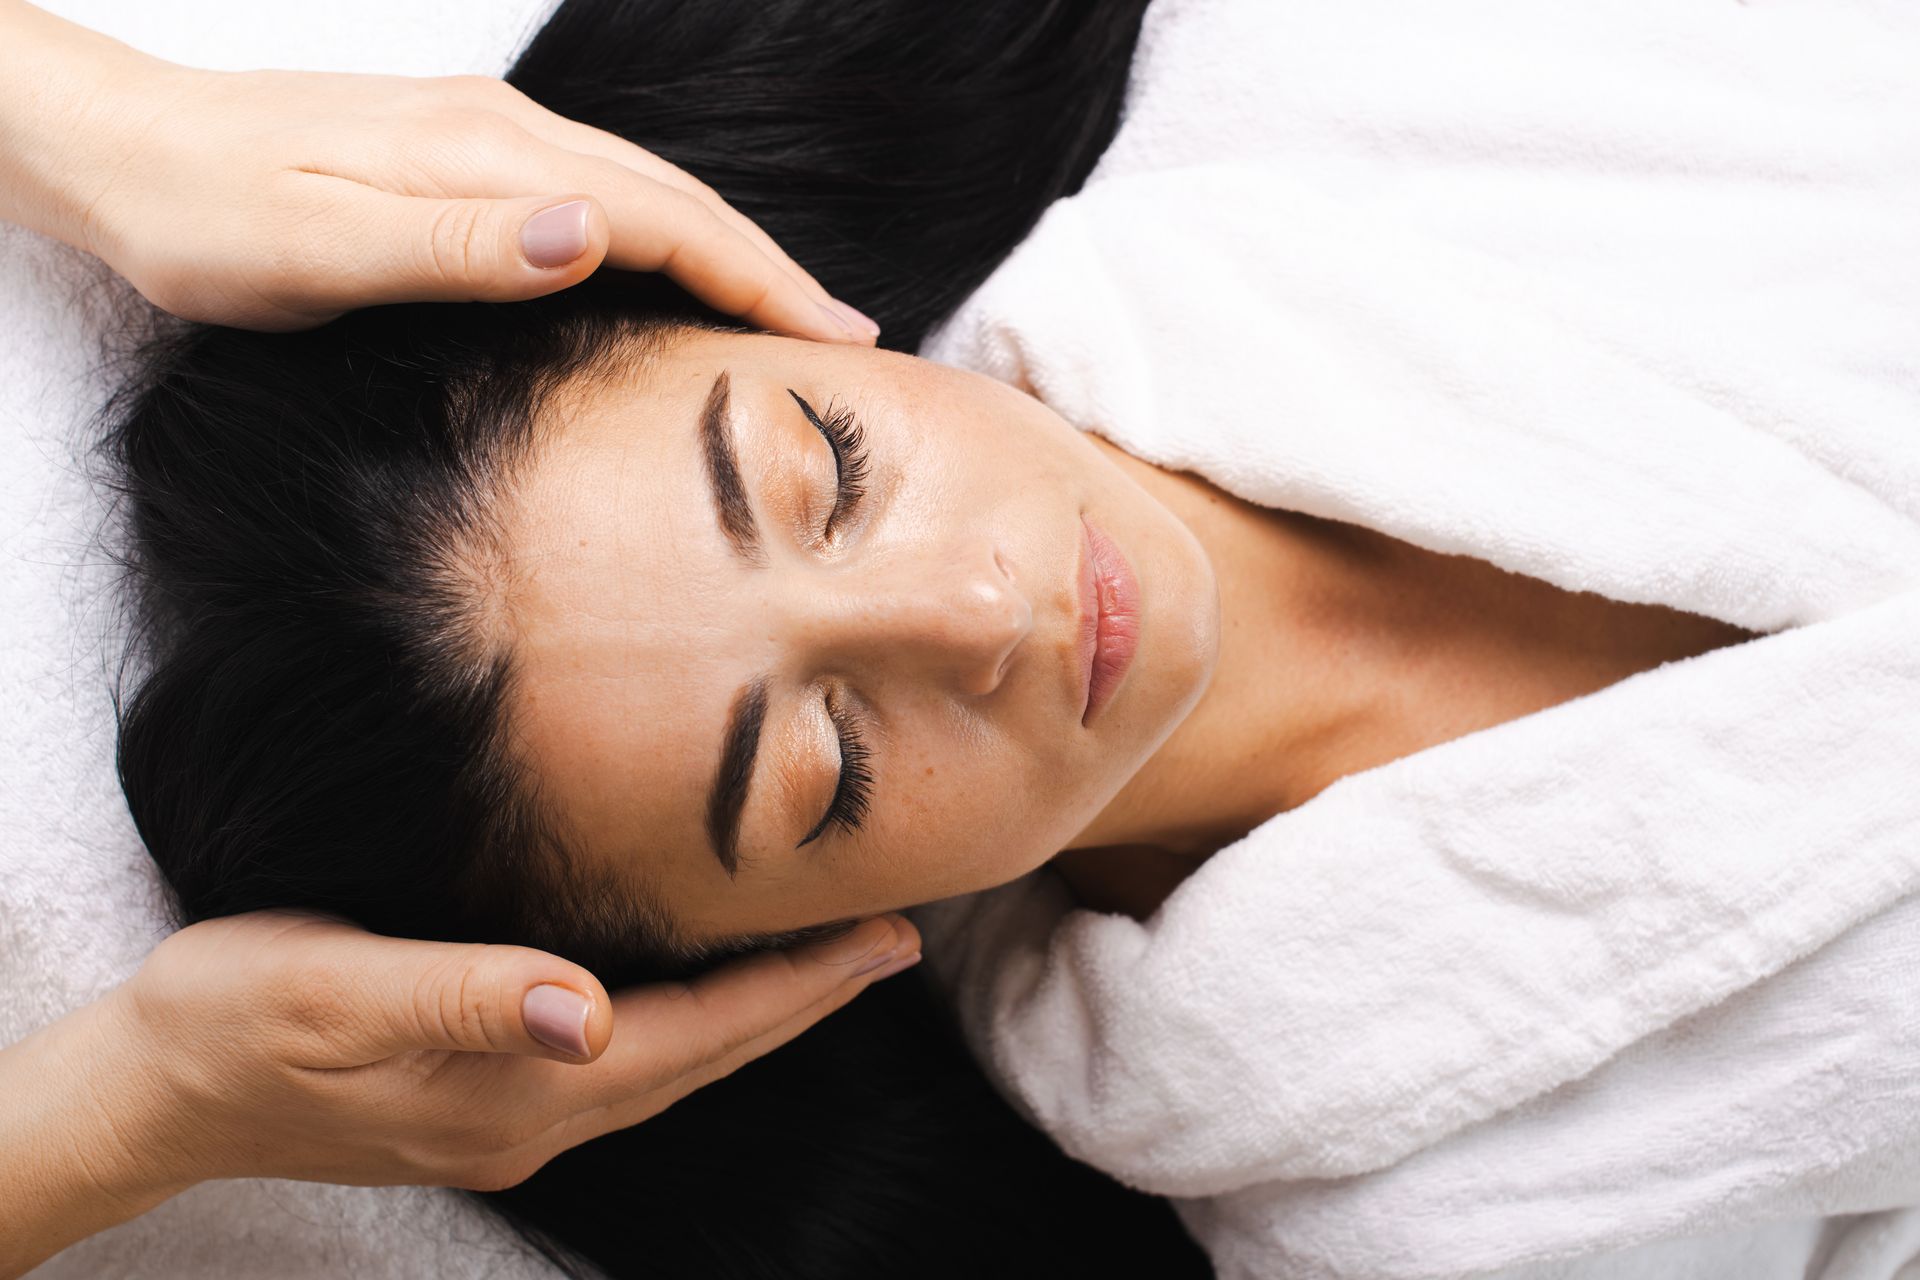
{"type": "Point", "coordinates": [896, 964]}
{"type": "Point", "coordinates": [839, 321]}
{"type": "Point", "coordinates": [557, 1018]}
{"type": "Point", "coordinates": [857, 321]}
{"type": "Point", "coordinates": [554, 237]}
{"type": "Point", "coordinates": [874, 939]}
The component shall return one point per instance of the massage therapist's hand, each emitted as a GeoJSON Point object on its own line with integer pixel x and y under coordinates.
{"type": "Point", "coordinates": [279, 1044]}
{"type": "Point", "coordinates": [277, 199]}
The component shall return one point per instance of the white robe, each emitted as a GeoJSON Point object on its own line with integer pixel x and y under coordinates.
{"type": "Point", "coordinates": [1625, 298]}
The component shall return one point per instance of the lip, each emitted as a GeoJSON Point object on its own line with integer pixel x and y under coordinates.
{"type": "Point", "coordinates": [1109, 618]}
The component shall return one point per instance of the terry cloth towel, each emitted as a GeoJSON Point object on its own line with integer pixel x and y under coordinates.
{"type": "Point", "coordinates": [1618, 297]}
{"type": "Point", "coordinates": [80, 903]}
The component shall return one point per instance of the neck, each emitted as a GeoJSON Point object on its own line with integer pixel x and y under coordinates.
{"type": "Point", "coordinates": [1292, 703]}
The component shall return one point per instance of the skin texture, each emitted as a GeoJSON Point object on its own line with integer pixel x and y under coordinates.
{"type": "Point", "coordinates": [943, 612]}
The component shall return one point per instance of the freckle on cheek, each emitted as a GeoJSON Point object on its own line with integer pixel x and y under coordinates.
{"type": "Point", "coordinates": [929, 771]}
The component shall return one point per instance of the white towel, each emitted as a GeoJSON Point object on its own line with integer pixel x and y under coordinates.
{"type": "Point", "coordinates": [1617, 297]}
{"type": "Point", "coordinates": [80, 902]}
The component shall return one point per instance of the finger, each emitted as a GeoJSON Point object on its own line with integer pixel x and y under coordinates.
{"type": "Point", "coordinates": [475, 998]}
{"type": "Point", "coordinates": [674, 225]}
{"type": "Point", "coordinates": [496, 96]}
{"type": "Point", "coordinates": [584, 139]}
{"type": "Point", "coordinates": [652, 226]}
{"type": "Point", "coordinates": [624, 1110]}
{"type": "Point", "coordinates": [377, 247]}
{"type": "Point", "coordinates": [667, 1030]}
{"type": "Point", "coordinates": [662, 228]}
{"type": "Point", "coordinates": [706, 1073]}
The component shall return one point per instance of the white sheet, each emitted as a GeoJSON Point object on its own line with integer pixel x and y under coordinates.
{"type": "Point", "coordinates": [79, 900]}
{"type": "Point", "coordinates": [1620, 298]}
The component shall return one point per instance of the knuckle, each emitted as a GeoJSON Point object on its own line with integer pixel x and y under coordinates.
{"type": "Point", "coordinates": [486, 91]}
{"type": "Point", "coordinates": [697, 211]}
{"type": "Point", "coordinates": [458, 245]}
{"type": "Point", "coordinates": [494, 132]}
{"type": "Point", "coordinates": [436, 96]}
{"type": "Point", "coordinates": [677, 213]}
{"type": "Point", "coordinates": [503, 95]}
{"type": "Point", "coordinates": [455, 999]}
{"type": "Point", "coordinates": [757, 295]}
{"type": "Point", "coordinates": [469, 126]}
{"type": "Point", "coordinates": [700, 191]}
{"type": "Point", "coordinates": [601, 174]}
{"type": "Point", "coordinates": [437, 118]}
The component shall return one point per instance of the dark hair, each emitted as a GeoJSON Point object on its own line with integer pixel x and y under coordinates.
{"type": "Point", "coordinates": [319, 720]}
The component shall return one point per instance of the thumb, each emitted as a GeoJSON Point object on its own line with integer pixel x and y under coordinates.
{"type": "Point", "coordinates": [480, 998]}
{"type": "Point", "coordinates": [418, 249]}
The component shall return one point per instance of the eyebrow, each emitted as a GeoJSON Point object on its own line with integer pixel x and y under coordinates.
{"type": "Point", "coordinates": [740, 740]}
{"type": "Point", "coordinates": [739, 745]}
{"type": "Point", "coordinates": [730, 503]}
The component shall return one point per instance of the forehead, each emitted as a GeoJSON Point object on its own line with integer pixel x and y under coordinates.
{"type": "Point", "coordinates": [618, 585]}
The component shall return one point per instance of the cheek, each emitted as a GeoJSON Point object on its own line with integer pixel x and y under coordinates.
{"type": "Point", "coordinates": [977, 812]}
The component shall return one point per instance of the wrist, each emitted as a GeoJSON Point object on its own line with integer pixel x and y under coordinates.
{"type": "Point", "coordinates": [134, 1106]}
{"type": "Point", "coordinates": [69, 108]}
{"type": "Point", "coordinates": [83, 1137]}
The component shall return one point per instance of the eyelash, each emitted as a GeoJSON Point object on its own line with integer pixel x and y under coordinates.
{"type": "Point", "coordinates": [855, 789]}
{"type": "Point", "coordinates": [850, 798]}
{"type": "Point", "coordinates": [848, 443]}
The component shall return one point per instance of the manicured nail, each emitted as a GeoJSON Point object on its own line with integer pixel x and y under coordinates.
{"type": "Point", "coordinates": [896, 964]}
{"type": "Point", "coordinates": [856, 321]}
{"type": "Point", "coordinates": [838, 321]}
{"type": "Point", "coordinates": [557, 1018]}
{"type": "Point", "coordinates": [554, 237]}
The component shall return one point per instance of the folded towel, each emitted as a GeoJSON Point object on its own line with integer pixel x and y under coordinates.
{"type": "Point", "coordinates": [1620, 299]}
{"type": "Point", "coordinates": [80, 903]}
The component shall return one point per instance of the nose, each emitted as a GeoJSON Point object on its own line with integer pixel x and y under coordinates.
{"type": "Point", "coordinates": [952, 614]}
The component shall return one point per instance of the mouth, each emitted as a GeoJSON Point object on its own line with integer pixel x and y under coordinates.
{"type": "Point", "coordinates": [1109, 618]}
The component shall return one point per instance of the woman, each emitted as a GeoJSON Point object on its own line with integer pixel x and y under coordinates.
{"type": "Point", "coordinates": [873, 639]}
{"type": "Point", "coordinates": [725, 471]}
{"type": "Point", "coordinates": [984, 1190]}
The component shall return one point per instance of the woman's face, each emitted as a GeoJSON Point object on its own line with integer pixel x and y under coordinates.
{"type": "Point", "coordinates": [728, 642]}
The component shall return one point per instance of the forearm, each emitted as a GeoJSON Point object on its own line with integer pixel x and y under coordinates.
{"type": "Point", "coordinates": [59, 87]}
{"type": "Point", "coordinates": [73, 1159]}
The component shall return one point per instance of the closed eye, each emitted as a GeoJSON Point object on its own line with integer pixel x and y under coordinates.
{"type": "Point", "coordinates": [848, 443]}
{"type": "Point", "coordinates": [855, 790]}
